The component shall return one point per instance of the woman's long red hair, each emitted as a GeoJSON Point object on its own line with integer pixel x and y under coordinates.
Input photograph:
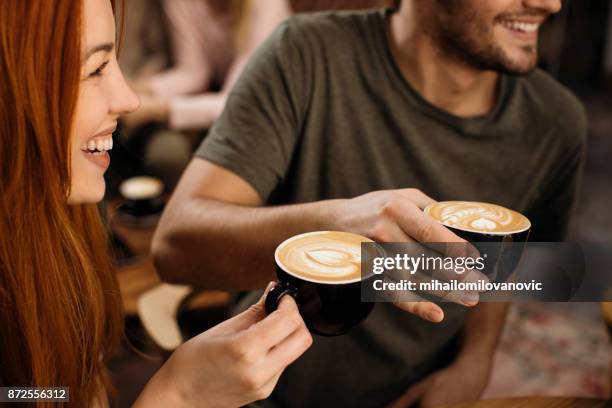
{"type": "Point", "coordinates": [60, 309]}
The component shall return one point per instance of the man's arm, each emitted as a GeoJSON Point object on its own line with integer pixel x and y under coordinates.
{"type": "Point", "coordinates": [215, 233]}
{"type": "Point", "coordinates": [481, 333]}
{"type": "Point", "coordinates": [467, 376]}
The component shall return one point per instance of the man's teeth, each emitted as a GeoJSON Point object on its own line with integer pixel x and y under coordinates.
{"type": "Point", "coordinates": [521, 26]}
{"type": "Point", "coordinates": [100, 145]}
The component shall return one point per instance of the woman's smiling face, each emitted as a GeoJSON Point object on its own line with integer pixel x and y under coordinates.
{"type": "Point", "coordinates": [103, 97]}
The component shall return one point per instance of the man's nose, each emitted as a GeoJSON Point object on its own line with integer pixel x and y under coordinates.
{"type": "Point", "coordinates": [549, 6]}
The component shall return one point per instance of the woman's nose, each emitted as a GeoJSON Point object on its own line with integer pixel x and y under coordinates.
{"type": "Point", "coordinates": [124, 100]}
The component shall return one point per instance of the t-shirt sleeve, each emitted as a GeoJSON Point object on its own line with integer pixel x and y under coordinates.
{"type": "Point", "coordinates": [553, 216]}
{"type": "Point", "coordinates": [258, 130]}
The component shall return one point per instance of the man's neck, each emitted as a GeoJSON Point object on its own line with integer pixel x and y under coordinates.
{"type": "Point", "coordinates": [443, 80]}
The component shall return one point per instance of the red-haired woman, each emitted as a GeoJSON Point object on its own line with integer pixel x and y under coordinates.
{"type": "Point", "coordinates": [61, 93]}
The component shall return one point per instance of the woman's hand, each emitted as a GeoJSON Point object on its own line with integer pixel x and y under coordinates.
{"type": "Point", "coordinates": [234, 363]}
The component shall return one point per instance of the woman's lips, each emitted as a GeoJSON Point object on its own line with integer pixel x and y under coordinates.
{"type": "Point", "coordinates": [96, 150]}
{"type": "Point", "coordinates": [100, 159]}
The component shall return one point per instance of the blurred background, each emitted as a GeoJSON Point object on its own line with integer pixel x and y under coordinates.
{"type": "Point", "coordinates": [183, 71]}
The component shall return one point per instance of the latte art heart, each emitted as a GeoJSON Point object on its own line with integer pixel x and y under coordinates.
{"type": "Point", "coordinates": [478, 217]}
{"type": "Point", "coordinates": [483, 224]}
{"type": "Point", "coordinates": [327, 256]}
{"type": "Point", "coordinates": [331, 256]}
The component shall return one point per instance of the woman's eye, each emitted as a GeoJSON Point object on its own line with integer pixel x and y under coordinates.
{"type": "Point", "coordinates": [99, 71]}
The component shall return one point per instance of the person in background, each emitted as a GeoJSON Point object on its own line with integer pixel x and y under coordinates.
{"type": "Point", "coordinates": [61, 94]}
{"type": "Point", "coordinates": [356, 121]}
{"type": "Point", "coordinates": [211, 41]}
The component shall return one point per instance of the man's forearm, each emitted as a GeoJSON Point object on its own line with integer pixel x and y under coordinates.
{"type": "Point", "coordinates": [209, 243]}
{"type": "Point", "coordinates": [482, 332]}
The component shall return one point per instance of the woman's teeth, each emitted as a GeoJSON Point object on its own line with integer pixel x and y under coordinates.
{"type": "Point", "coordinates": [521, 26]}
{"type": "Point", "coordinates": [98, 146]}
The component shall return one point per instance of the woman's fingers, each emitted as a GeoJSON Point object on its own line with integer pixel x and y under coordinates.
{"type": "Point", "coordinates": [265, 390]}
{"type": "Point", "coordinates": [279, 357]}
{"type": "Point", "coordinates": [277, 326]}
{"type": "Point", "coordinates": [244, 320]}
{"type": "Point", "coordinates": [290, 349]}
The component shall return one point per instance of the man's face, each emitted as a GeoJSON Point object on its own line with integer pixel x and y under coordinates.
{"type": "Point", "coordinates": [499, 35]}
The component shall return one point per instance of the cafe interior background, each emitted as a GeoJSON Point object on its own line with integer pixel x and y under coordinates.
{"type": "Point", "coordinates": [547, 349]}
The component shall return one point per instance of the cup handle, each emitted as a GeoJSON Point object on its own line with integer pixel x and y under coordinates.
{"type": "Point", "coordinates": [275, 295]}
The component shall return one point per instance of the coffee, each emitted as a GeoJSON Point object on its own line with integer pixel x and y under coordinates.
{"type": "Point", "coordinates": [499, 234]}
{"type": "Point", "coordinates": [322, 272]}
{"type": "Point", "coordinates": [323, 256]}
{"type": "Point", "coordinates": [477, 217]}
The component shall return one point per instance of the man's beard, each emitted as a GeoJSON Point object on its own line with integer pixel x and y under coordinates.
{"type": "Point", "coordinates": [461, 34]}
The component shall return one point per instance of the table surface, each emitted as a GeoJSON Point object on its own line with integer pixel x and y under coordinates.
{"type": "Point", "coordinates": [606, 309]}
{"type": "Point", "coordinates": [537, 402]}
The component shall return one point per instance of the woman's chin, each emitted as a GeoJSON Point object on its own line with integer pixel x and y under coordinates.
{"type": "Point", "coordinates": [90, 194]}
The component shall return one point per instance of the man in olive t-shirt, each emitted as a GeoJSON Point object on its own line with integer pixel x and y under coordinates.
{"type": "Point", "coordinates": [357, 119]}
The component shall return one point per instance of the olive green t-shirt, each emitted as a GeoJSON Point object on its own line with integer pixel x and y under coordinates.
{"type": "Point", "coordinates": [322, 111]}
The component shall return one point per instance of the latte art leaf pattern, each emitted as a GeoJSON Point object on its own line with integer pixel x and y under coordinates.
{"type": "Point", "coordinates": [328, 256]}
{"type": "Point", "coordinates": [478, 217]}
{"type": "Point", "coordinates": [332, 259]}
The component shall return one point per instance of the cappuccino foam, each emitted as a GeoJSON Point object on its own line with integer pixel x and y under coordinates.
{"type": "Point", "coordinates": [478, 217]}
{"type": "Point", "coordinates": [323, 256]}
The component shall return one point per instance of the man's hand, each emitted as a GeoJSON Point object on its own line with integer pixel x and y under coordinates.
{"type": "Point", "coordinates": [462, 381]}
{"type": "Point", "coordinates": [396, 216]}
{"type": "Point", "coordinates": [393, 216]}
{"type": "Point", "coordinates": [216, 209]}
{"type": "Point", "coordinates": [466, 378]}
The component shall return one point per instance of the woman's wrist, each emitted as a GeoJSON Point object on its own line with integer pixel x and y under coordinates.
{"type": "Point", "coordinates": [161, 390]}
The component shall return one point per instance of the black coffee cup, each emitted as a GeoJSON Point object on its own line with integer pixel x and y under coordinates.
{"type": "Point", "coordinates": [329, 308]}
{"type": "Point", "coordinates": [502, 249]}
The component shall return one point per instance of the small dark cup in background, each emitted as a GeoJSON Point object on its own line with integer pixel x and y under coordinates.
{"type": "Point", "coordinates": [143, 201]}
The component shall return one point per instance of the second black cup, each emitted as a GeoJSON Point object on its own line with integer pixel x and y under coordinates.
{"type": "Point", "coordinates": [498, 233]}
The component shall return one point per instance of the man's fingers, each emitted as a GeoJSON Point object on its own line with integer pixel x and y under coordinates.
{"type": "Point", "coordinates": [423, 228]}
{"type": "Point", "coordinates": [464, 297]}
{"type": "Point", "coordinates": [421, 199]}
{"type": "Point", "coordinates": [413, 395]}
{"type": "Point", "coordinates": [390, 232]}
{"type": "Point", "coordinates": [425, 310]}
{"type": "Point", "coordinates": [414, 304]}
